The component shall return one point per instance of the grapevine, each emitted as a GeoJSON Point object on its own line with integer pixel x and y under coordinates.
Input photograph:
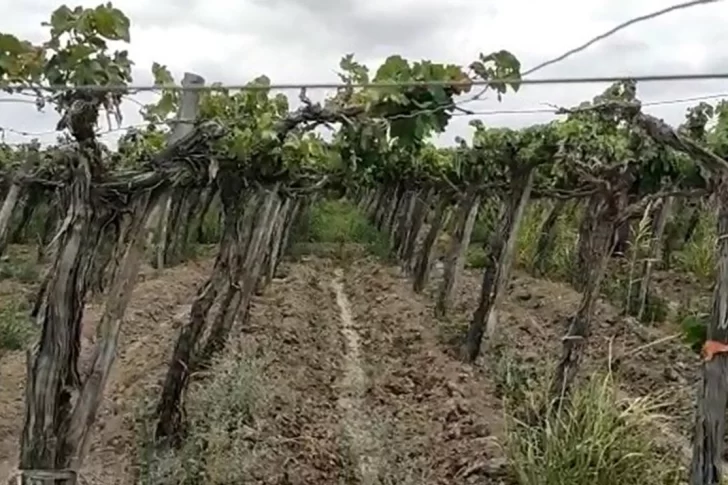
{"type": "Point", "coordinates": [258, 163]}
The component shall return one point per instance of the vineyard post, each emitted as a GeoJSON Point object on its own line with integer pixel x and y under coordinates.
{"type": "Point", "coordinates": [186, 114]}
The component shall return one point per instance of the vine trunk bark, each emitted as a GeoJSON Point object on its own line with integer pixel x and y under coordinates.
{"type": "Point", "coordinates": [466, 213]}
{"type": "Point", "coordinates": [712, 396]}
{"type": "Point", "coordinates": [419, 213]}
{"type": "Point", "coordinates": [424, 262]}
{"type": "Point", "coordinates": [547, 236]}
{"type": "Point", "coordinates": [12, 197]}
{"type": "Point", "coordinates": [500, 259]}
{"type": "Point", "coordinates": [604, 211]}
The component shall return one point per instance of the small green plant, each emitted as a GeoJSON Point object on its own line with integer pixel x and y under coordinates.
{"type": "Point", "coordinates": [340, 223]}
{"type": "Point", "coordinates": [596, 438]}
{"type": "Point", "coordinates": [486, 222]}
{"type": "Point", "coordinates": [622, 284]}
{"type": "Point", "coordinates": [16, 328]}
{"type": "Point", "coordinates": [698, 255]}
{"type": "Point", "coordinates": [694, 327]}
{"type": "Point", "coordinates": [528, 234]}
{"type": "Point", "coordinates": [23, 271]}
{"type": "Point", "coordinates": [476, 257]}
{"type": "Point", "coordinates": [615, 288]}
{"type": "Point", "coordinates": [559, 257]}
{"type": "Point", "coordinates": [637, 255]}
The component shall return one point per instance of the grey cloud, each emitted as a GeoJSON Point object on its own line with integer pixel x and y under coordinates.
{"type": "Point", "coordinates": [617, 56]}
{"type": "Point", "coordinates": [357, 26]}
{"type": "Point", "coordinates": [21, 122]}
{"type": "Point", "coordinates": [160, 14]}
{"type": "Point", "coordinates": [339, 26]}
{"type": "Point", "coordinates": [302, 41]}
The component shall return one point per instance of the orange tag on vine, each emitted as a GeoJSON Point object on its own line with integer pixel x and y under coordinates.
{"type": "Point", "coordinates": [712, 347]}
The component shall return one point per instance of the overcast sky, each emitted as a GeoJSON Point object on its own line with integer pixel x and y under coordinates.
{"type": "Point", "coordinates": [298, 41]}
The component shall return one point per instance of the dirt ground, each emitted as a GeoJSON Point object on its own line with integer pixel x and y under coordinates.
{"type": "Point", "coordinates": [439, 419]}
{"type": "Point", "coordinates": [646, 359]}
{"type": "Point", "coordinates": [158, 305]}
{"type": "Point", "coordinates": [361, 384]}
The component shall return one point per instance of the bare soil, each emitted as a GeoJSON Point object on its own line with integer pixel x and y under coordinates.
{"type": "Point", "coordinates": [158, 306]}
{"type": "Point", "coordinates": [646, 359]}
{"type": "Point", "coordinates": [439, 418]}
{"type": "Point", "coordinates": [362, 383]}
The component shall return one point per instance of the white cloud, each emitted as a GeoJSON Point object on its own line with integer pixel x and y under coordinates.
{"type": "Point", "coordinates": [303, 40]}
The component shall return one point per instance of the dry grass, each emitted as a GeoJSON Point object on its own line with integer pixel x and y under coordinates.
{"type": "Point", "coordinates": [221, 415]}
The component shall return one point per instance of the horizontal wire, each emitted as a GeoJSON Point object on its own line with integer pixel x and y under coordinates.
{"type": "Point", "coordinates": [556, 110]}
{"type": "Point", "coordinates": [374, 85]}
{"type": "Point", "coordinates": [385, 85]}
{"type": "Point", "coordinates": [470, 113]}
{"type": "Point", "coordinates": [21, 101]}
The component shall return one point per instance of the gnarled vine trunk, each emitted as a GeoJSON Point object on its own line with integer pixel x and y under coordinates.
{"type": "Point", "coordinates": [12, 197]}
{"type": "Point", "coordinates": [60, 408]}
{"type": "Point", "coordinates": [547, 236]}
{"type": "Point", "coordinates": [28, 205]}
{"type": "Point", "coordinates": [424, 262]}
{"type": "Point", "coordinates": [419, 213]}
{"type": "Point", "coordinates": [53, 382]}
{"type": "Point", "coordinates": [244, 278]}
{"type": "Point", "coordinates": [712, 398]}
{"type": "Point", "coordinates": [579, 272]}
{"type": "Point", "coordinates": [467, 211]}
{"type": "Point", "coordinates": [383, 206]}
{"type": "Point", "coordinates": [168, 410]}
{"type": "Point", "coordinates": [500, 259]}
{"type": "Point", "coordinates": [604, 211]}
{"type": "Point", "coordinates": [392, 211]}
{"type": "Point", "coordinates": [403, 220]}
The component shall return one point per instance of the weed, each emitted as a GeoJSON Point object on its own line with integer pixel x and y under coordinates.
{"type": "Point", "coordinates": [597, 438]}
{"type": "Point", "coordinates": [615, 287]}
{"type": "Point", "coordinates": [528, 234]}
{"type": "Point", "coordinates": [221, 414]}
{"type": "Point", "coordinates": [486, 222]}
{"type": "Point", "coordinates": [340, 223]}
{"type": "Point", "coordinates": [476, 257]}
{"type": "Point", "coordinates": [698, 255]}
{"type": "Point", "coordinates": [20, 270]}
{"type": "Point", "coordinates": [694, 327]}
{"type": "Point", "coordinates": [558, 260]}
{"type": "Point", "coordinates": [16, 328]}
